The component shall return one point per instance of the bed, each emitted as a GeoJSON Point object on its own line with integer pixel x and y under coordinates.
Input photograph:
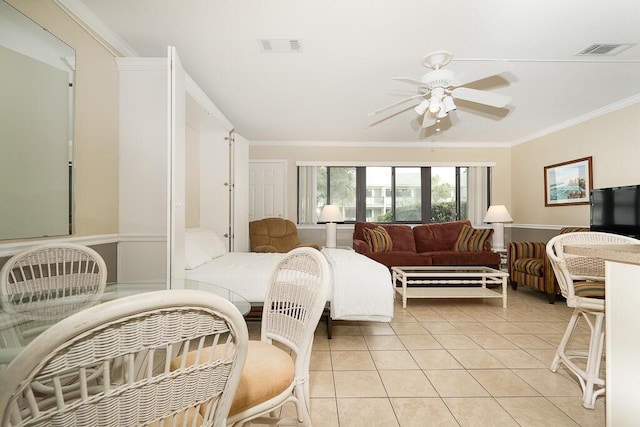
{"type": "Point", "coordinates": [361, 288]}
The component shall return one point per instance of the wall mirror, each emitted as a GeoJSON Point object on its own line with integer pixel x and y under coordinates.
{"type": "Point", "coordinates": [36, 129]}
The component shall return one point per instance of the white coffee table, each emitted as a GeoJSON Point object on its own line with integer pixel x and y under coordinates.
{"type": "Point", "coordinates": [449, 282]}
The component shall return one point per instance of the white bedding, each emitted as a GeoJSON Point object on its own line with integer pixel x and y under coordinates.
{"type": "Point", "coordinates": [361, 287]}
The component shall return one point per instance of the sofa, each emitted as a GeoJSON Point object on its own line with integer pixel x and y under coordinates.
{"type": "Point", "coordinates": [529, 266]}
{"type": "Point", "coordinates": [437, 244]}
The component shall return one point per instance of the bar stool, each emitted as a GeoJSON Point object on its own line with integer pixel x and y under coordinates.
{"type": "Point", "coordinates": [581, 281]}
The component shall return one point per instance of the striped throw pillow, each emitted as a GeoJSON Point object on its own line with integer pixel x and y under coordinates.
{"type": "Point", "coordinates": [472, 239]}
{"type": "Point", "coordinates": [378, 239]}
{"type": "Point", "coordinates": [589, 289]}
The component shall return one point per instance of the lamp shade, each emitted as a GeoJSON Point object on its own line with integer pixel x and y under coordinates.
{"type": "Point", "coordinates": [497, 213]}
{"type": "Point", "coordinates": [330, 213]}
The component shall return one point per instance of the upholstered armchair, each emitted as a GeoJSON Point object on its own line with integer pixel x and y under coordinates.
{"type": "Point", "coordinates": [275, 235]}
{"type": "Point", "coordinates": [529, 266]}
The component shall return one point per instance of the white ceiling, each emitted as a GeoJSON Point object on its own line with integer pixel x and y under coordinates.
{"type": "Point", "coordinates": [352, 48]}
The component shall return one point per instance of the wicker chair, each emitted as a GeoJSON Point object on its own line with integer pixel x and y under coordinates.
{"type": "Point", "coordinates": [72, 274]}
{"type": "Point", "coordinates": [129, 342]}
{"type": "Point", "coordinates": [272, 377]}
{"type": "Point", "coordinates": [529, 266]}
{"type": "Point", "coordinates": [581, 281]}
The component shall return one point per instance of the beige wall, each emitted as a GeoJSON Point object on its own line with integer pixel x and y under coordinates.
{"type": "Point", "coordinates": [96, 120]}
{"type": "Point", "coordinates": [613, 140]}
{"type": "Point", "coordinates": [501, 157]}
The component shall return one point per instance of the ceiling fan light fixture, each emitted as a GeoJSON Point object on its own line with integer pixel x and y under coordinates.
{"type": "Point", "coordinates": [422, 107]}
{"type": "Point", "coordinates": [448, 104]}
{"type": "Point", "coordinates": [435, 102]}
{"type": "Point", "coordinates": [434, 106]}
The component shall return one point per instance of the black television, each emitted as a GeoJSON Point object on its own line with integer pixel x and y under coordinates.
{"type": "Point", "coordinates": [616, 210]}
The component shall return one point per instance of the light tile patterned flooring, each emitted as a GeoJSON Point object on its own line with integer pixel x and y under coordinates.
{"type": "Point", "coordinates": [449, 363]}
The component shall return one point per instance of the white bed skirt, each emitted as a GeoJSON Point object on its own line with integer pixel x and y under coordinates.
{"type": "Point", "coordinates": [361, 287]}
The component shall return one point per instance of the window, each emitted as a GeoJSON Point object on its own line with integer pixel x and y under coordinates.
{"type": "Point", "coordinates": [408, 200]}
{"type": "Point", "coordinates": [336, 186]}
{"type": "Point", "coordinates": [378, 182]}
{"type": "Point", "coordinates": [393, 194]}
{"type": "Point", "coordinates": [444, 198]}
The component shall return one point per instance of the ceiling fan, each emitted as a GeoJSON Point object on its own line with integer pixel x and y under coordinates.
{"type": "Point", "coordinates": [438, 88]}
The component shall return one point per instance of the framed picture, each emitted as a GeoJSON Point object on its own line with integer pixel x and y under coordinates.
{"type": "Point", "coordinates": [568, 183]}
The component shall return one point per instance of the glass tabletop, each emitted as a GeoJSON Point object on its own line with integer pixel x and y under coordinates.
{"type": "Point", "coordinates": [17, 329]}
{"type": "Point", "coordinates": [437, 271]}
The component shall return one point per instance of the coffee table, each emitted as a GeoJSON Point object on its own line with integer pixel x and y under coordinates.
{"type": "Point", "coordinates": [449, 282]}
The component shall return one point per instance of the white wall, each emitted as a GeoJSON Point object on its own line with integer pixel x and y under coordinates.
{"type": "Point", "coordinates": [143, 166]}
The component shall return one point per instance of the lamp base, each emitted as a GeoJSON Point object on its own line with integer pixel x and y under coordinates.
{"type": "Point", "coordinates": [498, 236]}
{"type": "Point", "coordinates": [331, 234]}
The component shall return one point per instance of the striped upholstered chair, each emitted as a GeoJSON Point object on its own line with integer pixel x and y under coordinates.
{"type": "Point", "coordinates": [529, 266]}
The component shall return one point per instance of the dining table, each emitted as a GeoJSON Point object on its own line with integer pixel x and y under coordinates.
{"type": "Point", "coordinates": [19, 327]}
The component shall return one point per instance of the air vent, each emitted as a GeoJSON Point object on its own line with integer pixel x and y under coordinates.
{"type": "Point", "coordinates": [280, 45]}
{"type": "Point", "coordinates": [605, 49]}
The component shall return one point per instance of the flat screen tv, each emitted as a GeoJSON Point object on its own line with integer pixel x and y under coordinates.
{"type": "Point", "coordinates": [616, 210]}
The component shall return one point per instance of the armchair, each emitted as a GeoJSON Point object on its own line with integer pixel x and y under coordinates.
{"type": "Point", "coordinates": [275, 235]}
{"type": "Point", "coordinates": [529, 266]}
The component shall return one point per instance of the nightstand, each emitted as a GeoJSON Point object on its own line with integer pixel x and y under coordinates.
{"type": "Point", "coordinates": [503, 258]}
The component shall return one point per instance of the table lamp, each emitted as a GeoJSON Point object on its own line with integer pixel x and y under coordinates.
{"type": "Point", "coordinates": [330, 215]}
{"type": "Point", "coordinates": [498, 215]}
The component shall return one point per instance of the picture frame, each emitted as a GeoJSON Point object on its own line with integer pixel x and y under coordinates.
{"type": "Point", "coordinates": [568, 183]}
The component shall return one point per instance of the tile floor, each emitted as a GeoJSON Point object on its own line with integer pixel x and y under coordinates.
{"type": "Point", "coordinates": [448, 363]}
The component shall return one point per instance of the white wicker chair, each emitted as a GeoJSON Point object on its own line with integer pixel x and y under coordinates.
{"type": "Point", "coordinates": [72, 274]}
{"type": "Point", "coordinates": [130, 341]}
{"type": "Point", "coordinates": [581, 281]}
{"type": "Point", "coordinates": [295, 299]}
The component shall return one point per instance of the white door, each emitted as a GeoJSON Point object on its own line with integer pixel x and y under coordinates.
{"type": "Point", "coordinates": [214, 183]}
{"type": "Point", "coordinates": [240, 219]}
{"type": "Point", "coordinates": [176, 166]}
{"type": "Point", "coordinates": [267, 193]}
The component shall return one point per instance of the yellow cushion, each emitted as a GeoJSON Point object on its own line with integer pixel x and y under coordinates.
{"type": "Point", "coordinates": [267, 372]}
{"type": "Point", "coordinates": [472, 239]}
{"type": "Point", "coordinates": [378, 239]}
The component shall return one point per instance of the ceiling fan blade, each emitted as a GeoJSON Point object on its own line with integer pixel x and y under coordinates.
{"type": "Point", "coordinates": [402, 101]}
{"type": "Point", "coordinates": [481, 97]}
{"type": "Point", "coordinates": [491, 69]}
{"type": "Point", "coordinates": [408, 80]}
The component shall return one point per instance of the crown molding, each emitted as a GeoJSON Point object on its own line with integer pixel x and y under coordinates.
{"type": "Point", "coordinates": [580, 119]}
{"type": "Point", "coordinates": [141, 64]}
{"type": "Point", "coordinates": [387, 144]}
{"type": "Point", "coordinates": [96, 27]}
{"type": "Point", "coordinates": [203, 100]}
